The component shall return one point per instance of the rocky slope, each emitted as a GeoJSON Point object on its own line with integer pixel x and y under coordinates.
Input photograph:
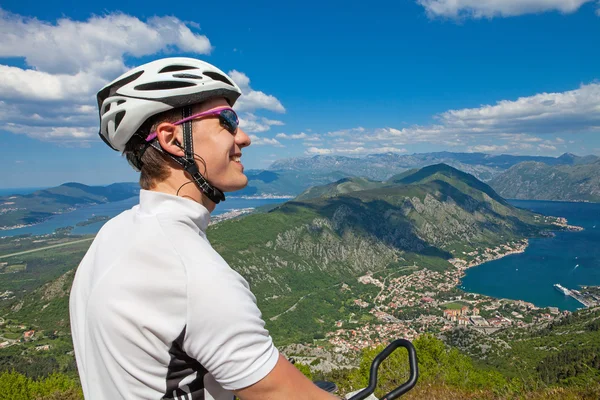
{"type": "Point", "coordinates": [538, 181]}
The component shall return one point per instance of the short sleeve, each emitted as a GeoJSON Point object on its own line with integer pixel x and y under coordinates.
{"type": "Point", "coordinates": [225, 330]}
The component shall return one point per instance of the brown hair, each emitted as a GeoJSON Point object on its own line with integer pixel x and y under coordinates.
{"type": "Point", "coordinates": [152, 164]}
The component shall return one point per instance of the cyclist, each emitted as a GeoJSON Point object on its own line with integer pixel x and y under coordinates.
{"type": "Point", "coordinates": [155, 312]}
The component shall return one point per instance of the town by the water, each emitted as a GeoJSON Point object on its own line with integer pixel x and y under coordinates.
{"type": "Point", "coordinates": [436, 306]}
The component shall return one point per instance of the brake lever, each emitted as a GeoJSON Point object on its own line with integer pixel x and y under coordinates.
{"type": "Point", "coordinates": [400, 390]}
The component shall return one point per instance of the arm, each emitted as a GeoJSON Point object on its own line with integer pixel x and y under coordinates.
{"type": "Point", "coordinates": [226, 334]}
{"type": "Point", "coordinates": [284, 382]}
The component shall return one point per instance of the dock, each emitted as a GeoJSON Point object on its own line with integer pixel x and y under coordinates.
{"type": "Point", "coordinates": [576, 294]}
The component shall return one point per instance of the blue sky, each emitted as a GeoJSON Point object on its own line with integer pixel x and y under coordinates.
{"type": "Point", "coordinates": [341, 78]}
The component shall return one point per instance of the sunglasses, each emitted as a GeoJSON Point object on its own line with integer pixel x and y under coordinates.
{"type": "Point", "coordinates": [227, 118]}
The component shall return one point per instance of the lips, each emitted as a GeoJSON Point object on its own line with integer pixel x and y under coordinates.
{"type": "Point", "coordinates": [236, 159]}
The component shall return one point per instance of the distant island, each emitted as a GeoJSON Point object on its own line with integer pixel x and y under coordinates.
{"type": "Point", "coordinates": [17, 211]}
{"type": "Point", "coordinates": [93, 220]}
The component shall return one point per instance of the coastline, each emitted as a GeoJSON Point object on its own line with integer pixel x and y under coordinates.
{"type": "Point", "coordinates": [490, 254]}
{"type": "Point", "coordinates": [510, 248]}
{"type": "Point", "coordinates": [555, 201]}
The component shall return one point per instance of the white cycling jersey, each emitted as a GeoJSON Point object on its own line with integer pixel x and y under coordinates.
{"type": "Point", "coordinates": [156, 313]}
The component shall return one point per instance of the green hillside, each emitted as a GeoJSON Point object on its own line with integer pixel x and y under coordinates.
{"type": "Point", "coordinates": [307, 247]}
{"type": "Point", "coordinates": [345, 185]}
{"type": "Point", "coordinates": [563, 352]}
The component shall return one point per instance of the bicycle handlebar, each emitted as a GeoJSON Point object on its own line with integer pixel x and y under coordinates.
{"type": "Point", "coordinates": [400, 390]}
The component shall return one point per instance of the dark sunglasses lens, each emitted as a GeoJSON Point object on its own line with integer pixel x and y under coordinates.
{"type": "Point", "coordinates": [229, 120]}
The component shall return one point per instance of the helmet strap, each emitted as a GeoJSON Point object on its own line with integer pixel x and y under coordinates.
{"type": "Point", "coordinates": [189, 163]}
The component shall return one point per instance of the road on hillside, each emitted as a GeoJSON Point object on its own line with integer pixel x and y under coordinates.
{"type": "Point", "coordinates": [46, 248]}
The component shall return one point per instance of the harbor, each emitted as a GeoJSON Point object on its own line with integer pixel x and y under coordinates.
{"type": "Point", "coordinates": [587, 298]}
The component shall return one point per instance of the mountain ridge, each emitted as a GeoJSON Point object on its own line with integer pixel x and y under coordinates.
{"type": "Point", "coordinates": [538, 181]}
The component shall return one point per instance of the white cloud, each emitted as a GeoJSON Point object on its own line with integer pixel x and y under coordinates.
{"type": "Point", "coordinates": [497, 8]}
{"type": "Point", "coordinates": [352, 149]}
{"type": "Point", "coordinates": [368, 150]}
{"type": "Point", "coordinates": [316, 150]}
{"type": "Point", "coordinates": [29, 84]}
{"type": "Point", "coordinates": [519, 137]}
{"type": "Point", "coordinates": [251, 123]}
{"type": "Point", "coordinates": [296, 136]}
{"type": "Point", "coordinates": [484, 148]}
{"type": "Point", "coordinates": [68, 61]}
{"type": "Point", "coordinates": [509, 126]}
{"type": "Point", "coordinates": [313, 138]}
{"type": "Point", "coordinates": [546, 147]}
{"type": "Point", "coordinates": [50, 132]}
{"type": "Point", "coordinates": [571, 111]}
{"type": "Point", "coordinates": [98, 44]}
{"type": "Point", "coordinates": [388, 150]}
{"type": "Point", "coordinates": [252, 99]}
{"type": "Point", "coordinates": [263, 141]}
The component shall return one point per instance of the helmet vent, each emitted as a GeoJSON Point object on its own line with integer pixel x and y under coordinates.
{"type": "Point", "coordinates": [188, 76]}
{"type": "Point", "coordinates": [120, 102]}
{"type": "Point", "coordinates": [174, 68]}
{"type": "Point", "coordinates": [164, 85]}
{"type": "Point", "coordinates": [112, 89]}
{"type": "Point", "coordinates": [107, 108]}
{"type": "Point", "coordinates": [118, 118]}
{"type": "Point", "coordinates": [218, 77]}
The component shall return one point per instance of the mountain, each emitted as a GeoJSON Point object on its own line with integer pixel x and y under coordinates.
{"type": "Point", "coordinates": [294, 175]}
{"type": "Point", "coordinates": [537, 181]}
{"type": "Point", "coordinates": [382, 166]}
{"type": "Point", "coordinates": [19, 210]}
{"type": "Point", "coordinates": [286, 182]}
{"type": "Point", "coordinates": [304, 248]}
{"type": "Point", "coordinates": [307, 247]}
{"type": "Point", "coordinates": [342, 186]}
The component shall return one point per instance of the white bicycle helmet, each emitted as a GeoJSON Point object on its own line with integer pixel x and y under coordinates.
{"type": "Point", "coordinates": [127, 102]}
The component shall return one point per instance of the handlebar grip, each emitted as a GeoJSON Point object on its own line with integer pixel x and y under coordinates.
{"type": "Point", "coordinates": [400, 390]}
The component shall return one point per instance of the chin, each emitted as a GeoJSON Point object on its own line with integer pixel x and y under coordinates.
{"type": "Point", "coordinates": [239, 184]}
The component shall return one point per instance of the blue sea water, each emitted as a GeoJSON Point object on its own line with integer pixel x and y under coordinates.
{"type": "Point", "coordinates": [570, 258]}
{"type": "Point", "coordinates": [115, 208]}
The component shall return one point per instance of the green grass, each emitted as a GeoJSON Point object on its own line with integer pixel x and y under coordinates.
{"type": "Point", "coordinates": [13, 268]}
{"type": "Point", "coordinates": [454, 305]}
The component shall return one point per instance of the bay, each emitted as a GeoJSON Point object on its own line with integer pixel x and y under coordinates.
{"type": "Point", "coordinates": [115, 208]}
{"type": "Point", "coordinates": [570, 258]}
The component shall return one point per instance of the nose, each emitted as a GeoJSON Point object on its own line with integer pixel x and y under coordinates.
{"type": "Point", "coordinates": [242, 139]}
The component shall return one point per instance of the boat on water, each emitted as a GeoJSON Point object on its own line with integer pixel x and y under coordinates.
{"type": "Point", "coordinates": [562, 289]}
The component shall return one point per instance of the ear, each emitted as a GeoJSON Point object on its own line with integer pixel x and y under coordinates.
{"type": "Point", "coordinates": [169, 137]}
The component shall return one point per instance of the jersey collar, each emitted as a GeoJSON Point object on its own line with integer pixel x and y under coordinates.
{"type": "Point", "coordinates": [175, 208]}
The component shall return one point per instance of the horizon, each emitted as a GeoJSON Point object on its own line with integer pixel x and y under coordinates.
{"type": "Point", "coordinates": [423, 76]}
{"type": "Point", "coordinates": [2, 188]}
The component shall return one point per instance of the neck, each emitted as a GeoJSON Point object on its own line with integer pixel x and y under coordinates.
{"type": "Point", "coordinates": [183, 187]}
